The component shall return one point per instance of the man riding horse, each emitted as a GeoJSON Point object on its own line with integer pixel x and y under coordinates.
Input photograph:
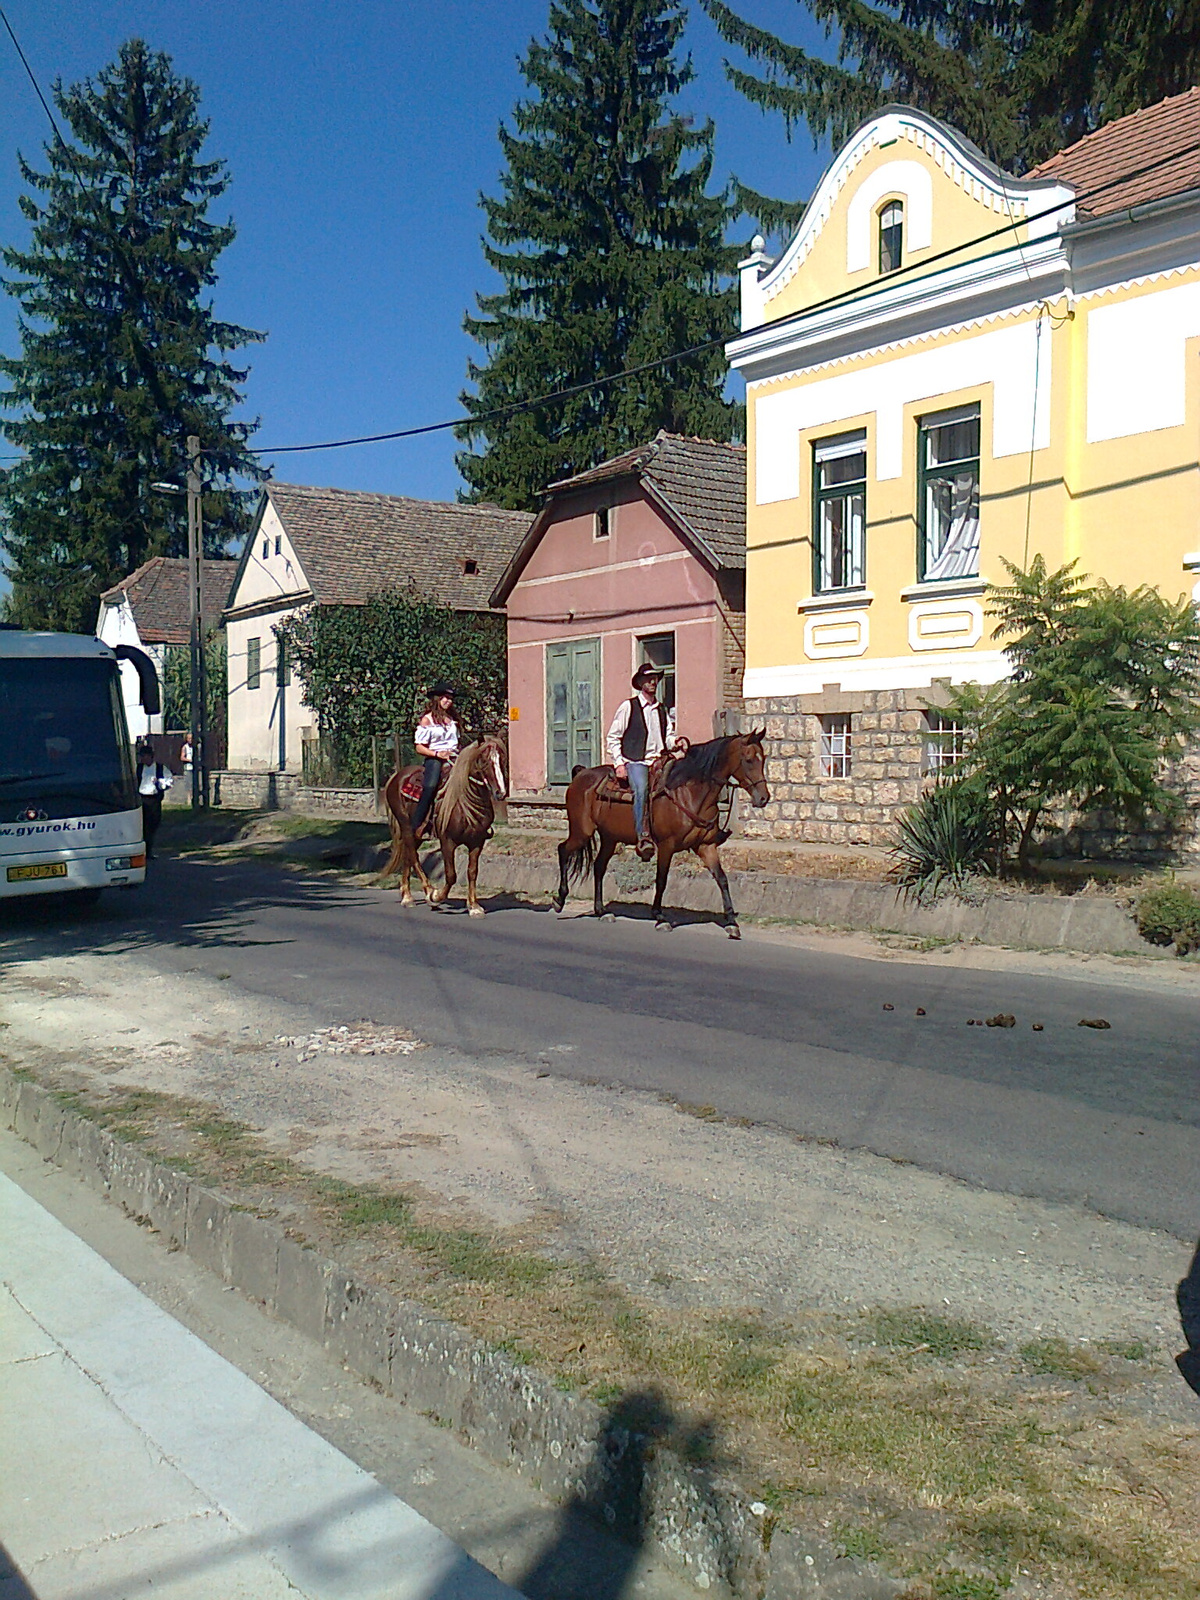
{"type": "Point", "coordinates": [642, 730]}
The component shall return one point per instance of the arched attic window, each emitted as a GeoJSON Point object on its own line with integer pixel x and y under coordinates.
{"type": "Point", "coordinates": [891, 236]}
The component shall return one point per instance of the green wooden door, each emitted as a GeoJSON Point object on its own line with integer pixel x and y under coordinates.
{"type": "Point", "coordinates": [572, 707]}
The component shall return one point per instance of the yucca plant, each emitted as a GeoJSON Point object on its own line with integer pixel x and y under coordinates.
{"type": "Point", "coordinates": [947, 837]}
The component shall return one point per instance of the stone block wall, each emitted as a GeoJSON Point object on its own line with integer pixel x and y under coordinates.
{"type": "Point", "coordinates": [889, 741]}
{"type": "Point", "coordinates": [887, 746]}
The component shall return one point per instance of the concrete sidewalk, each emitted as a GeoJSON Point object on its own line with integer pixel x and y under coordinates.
{"type": "Point", "coordinates": [137, 1461]}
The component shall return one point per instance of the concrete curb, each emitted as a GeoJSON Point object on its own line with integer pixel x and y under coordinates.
{"type": "Point", "coordinates": [1021, 921]}
{"type": "Point", "coordinates": [699, 1525]}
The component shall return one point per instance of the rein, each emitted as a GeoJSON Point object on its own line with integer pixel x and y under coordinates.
{"type": "Point", "coordinates": [714, 826]}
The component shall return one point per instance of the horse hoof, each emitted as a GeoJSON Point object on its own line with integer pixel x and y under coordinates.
{"type": "Point", "coordinates": [734, 932]}
{"type": "Point", "coordinates": [663, 927]}
{"type": "Point", "coordinates": [475, 911]}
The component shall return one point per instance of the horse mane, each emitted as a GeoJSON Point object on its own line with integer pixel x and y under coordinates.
{"type": "Point", "coordinates": [457, 793]}
{"type": "Point", "coordinates": [701, 763]}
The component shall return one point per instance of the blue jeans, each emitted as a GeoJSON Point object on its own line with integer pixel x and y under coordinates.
{"type": "Point", "coordinates": [639, 782]}
{"type": "Point", "coordinates": [431, 777]}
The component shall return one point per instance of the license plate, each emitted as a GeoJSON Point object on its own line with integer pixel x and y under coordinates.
{"type": "Point", "coordinates": [44, 869]}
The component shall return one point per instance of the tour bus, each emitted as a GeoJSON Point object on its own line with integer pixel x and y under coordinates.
{"type": "Point", "coordinates": [70, 817]}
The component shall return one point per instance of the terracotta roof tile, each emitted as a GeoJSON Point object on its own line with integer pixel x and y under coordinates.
{"type": "Point", "coordinates": [1170, 129]}
{"type": "Point", "coordinates": [158, 596]}
{"type": "Point", "coordinates": [702, 481]}
{"type": "Point", "coordinates": [353, 544]}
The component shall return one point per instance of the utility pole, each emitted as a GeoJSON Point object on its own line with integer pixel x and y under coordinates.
{"type": "Point", "coordinates": [198, 698]}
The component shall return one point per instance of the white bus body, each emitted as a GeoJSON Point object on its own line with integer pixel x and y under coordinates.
{"type": "Point", "coordinates": [70, 816]}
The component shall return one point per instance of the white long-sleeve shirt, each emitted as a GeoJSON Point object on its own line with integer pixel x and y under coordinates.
{"type": "Point", "coordinates": [439, 738]}
{"type": "Point", "coordinates": [654, 739]}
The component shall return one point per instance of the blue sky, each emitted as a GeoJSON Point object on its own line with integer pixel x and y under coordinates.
{"type": "Point", "coordinates": [358, 138]}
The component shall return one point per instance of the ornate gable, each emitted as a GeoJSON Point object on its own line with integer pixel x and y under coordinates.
{"type": "Point", "coordinates": [949, 193]}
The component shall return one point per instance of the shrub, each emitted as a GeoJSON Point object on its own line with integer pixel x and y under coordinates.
{"type": "Point", "coordinates": [946, 838]}
{"type": "Point", "coordinates": [1169, 913]}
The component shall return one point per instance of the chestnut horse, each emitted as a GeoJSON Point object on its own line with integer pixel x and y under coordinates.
{"type": "Point", "coordinates": [462, 815]}
{"type": "Point", "coordinates": [684, 817]}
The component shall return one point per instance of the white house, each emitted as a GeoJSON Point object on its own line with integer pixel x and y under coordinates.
{"type": "Point", "coordinates": [341, 547]}
{"type": "Point", "coordinates": [150, 609]}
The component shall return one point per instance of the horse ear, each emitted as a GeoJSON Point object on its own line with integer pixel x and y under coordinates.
{"type": "Point", "coordinates": [758, 736]}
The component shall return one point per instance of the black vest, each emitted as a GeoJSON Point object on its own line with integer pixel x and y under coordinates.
{"type": "Point", "coordinates": [633, 740]}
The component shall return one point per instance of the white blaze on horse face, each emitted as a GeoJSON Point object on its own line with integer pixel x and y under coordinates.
{"type": "Point", "coordinates": [499, 771]}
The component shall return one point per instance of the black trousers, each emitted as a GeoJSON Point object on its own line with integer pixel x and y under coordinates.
{"type": "Point", "coordinates": [430, 779]}
{"type": "Point", "coordinates": [151, 817]}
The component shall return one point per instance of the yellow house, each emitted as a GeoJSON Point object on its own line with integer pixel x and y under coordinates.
{"type": "Point", "coordinates": [948, 365]}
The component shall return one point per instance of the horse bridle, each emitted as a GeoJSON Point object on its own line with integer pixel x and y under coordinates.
{"type": "Point", "coordinates": [716, 825]}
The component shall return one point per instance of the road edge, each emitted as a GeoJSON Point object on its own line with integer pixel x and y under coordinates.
{"type": "Point", "coordinates": [701, 1526]}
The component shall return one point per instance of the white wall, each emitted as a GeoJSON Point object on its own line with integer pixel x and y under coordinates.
{"type": "Point", "coordinates": [259, 717]}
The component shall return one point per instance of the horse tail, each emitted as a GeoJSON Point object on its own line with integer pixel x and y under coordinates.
{"type": "Point", "coordinates": [394, 860]}
{"type": "Point", "coordinates": [580, 861]}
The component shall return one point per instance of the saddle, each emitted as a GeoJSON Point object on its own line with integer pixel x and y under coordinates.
{"type": "Point", "coordinates": [616, 789]}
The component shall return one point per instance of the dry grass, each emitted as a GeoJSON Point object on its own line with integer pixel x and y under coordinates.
{"type": "Point", "coordinates": [910, 1438]}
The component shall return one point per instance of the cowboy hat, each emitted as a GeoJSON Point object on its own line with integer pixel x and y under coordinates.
{"type": "Point", "coordinates": [646, 671]}
{"type": "Point", "coordinates": [440, 688]}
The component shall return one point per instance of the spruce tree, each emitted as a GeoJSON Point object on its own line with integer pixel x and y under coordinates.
{"type": "Point", "coordinates": [121, 355]}
{"type": "Point", "coordinates": [612, 252]}
{"type": "Point", "coordinates": [1021, 78]}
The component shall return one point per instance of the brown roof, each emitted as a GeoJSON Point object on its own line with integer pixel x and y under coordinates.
{"type": "Point", "coordinates": [352, 544]}
{"type": "Point", "coordinates": [1167, 133]}
{"type": "Point", "coordinates": [158, 596]}
{"type": "Point", "coordinates": [702, 481]}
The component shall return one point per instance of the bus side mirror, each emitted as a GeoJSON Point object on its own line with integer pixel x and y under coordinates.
{"type": "Point", "coordinates": [151, 698]}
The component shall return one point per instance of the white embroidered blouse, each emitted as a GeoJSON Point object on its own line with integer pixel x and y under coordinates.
{"type": "Point", "coordinates": [440, 738]}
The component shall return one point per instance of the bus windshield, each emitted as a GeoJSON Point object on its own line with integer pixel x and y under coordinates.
{"type": "Point", "coordinates": [63, 744]}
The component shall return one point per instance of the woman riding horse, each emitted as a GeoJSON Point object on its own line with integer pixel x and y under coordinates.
{"type": "Point", "coordinates": [464, 808]}
{"type": "Point", "coordinates": [684, 813]}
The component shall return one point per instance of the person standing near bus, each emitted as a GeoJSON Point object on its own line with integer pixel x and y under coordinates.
{"type": "Point", "coordinates": [153, 782]}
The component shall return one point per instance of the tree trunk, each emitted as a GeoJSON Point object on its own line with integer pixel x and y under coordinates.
{"type": "Point", "coordinates": [1027, 837]}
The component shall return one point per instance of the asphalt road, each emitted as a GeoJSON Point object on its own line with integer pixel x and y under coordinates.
{"type": "Point", "coordinates": [779, 1034]}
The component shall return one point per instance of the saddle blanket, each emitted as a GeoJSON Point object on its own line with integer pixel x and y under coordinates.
{"type": "Point", "coordinates": [410, 784]}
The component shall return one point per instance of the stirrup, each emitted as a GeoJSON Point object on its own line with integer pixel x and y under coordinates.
{"type": "Point", "coordinates": [645, 848]}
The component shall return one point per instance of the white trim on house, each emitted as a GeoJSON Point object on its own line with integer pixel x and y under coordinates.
{"type": "Point", "coordinates": [601, 570]}
{"type": "Point", "coordinates": [892, 672]}
{"type": "Point", "coordinates": [1006, 359]}
{"type": "Point", "coordinates": [964, 164]}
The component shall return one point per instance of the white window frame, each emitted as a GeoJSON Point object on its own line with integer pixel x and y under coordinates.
{"type": "Point", "coordinates": [945, 743]}
{"type": "Point", "coordinates": [837, 448]}
{"type": "Point", "coordinates": [837, 735]}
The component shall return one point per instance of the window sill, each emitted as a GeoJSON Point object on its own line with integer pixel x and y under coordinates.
{"type": "Point", "coordinates": [948, 588]}
{"type": "Point", "coordinates": [1191, 561]}
{"type": "Point", "coordinates": [836, 600]}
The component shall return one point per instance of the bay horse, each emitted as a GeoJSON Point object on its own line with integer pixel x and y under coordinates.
{"type": "Point", "coordinates": [684, 816]}
{"type": "Point", "coordinates": [462, 814]}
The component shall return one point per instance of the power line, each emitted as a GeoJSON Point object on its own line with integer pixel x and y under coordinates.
{"type": "Point", "coordinates": [556, 395]}
{"type": "Point", "coordinates": [591, 385]}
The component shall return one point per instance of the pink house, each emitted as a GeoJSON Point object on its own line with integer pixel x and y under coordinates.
{"type": "Point", "coordinates": [642, 558]}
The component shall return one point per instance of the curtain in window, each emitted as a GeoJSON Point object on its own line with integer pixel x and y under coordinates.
{"type": "Point", "coordinates": [954, 527]}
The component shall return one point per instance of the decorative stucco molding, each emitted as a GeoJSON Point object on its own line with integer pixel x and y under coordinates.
{"type": "Point", "coordinates": [883, 672]}
{"type": "Point", "coordinates": [956, 156]}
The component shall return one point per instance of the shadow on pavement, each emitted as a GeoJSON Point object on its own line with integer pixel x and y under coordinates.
{"type": "Point", "coordinates": [12, 1584]}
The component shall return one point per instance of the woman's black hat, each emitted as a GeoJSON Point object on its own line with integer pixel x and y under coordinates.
{"type": "Point", "coordinates": [441, 687]}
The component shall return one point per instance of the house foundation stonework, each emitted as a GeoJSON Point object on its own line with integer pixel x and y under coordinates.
{"type": "Point", "coordinates": [889, 753]}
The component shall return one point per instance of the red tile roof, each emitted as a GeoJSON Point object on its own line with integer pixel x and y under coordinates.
{"type": "Point", "coordinates": [1165, 136]}
{"type": "Point", "coordinates": [158, 596]}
